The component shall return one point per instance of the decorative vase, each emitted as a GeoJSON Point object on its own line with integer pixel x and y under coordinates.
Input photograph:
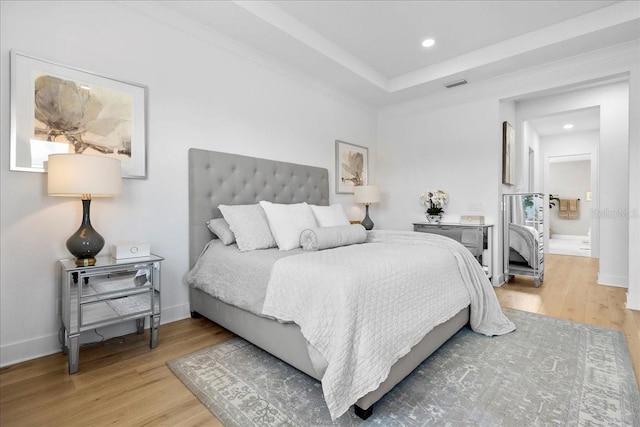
{"type": "Point", "coordinates": [434, 219]}
{"type": "Point", "coordinates": [86, 242]}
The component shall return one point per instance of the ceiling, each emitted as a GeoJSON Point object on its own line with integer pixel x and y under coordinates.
{"type": "Point", "coordinates": [371, 50]}
{"type": "Point", "coordinates": [583, 120]}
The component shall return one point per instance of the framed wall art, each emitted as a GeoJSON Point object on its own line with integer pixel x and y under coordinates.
{"type": "Point", "coordinates": [508, 154]}
{"type": "Point", "coordinates": [351, 166]}
{"type": "Point", "coordinates": [61, 109]}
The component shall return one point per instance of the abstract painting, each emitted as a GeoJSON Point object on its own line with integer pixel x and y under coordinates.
{"type": "Point", "coordinates": [508, 154]}
{"type": "Point", "coordinates": [351, 166]}
{"type": "Point", "coordinates": [59, 109]}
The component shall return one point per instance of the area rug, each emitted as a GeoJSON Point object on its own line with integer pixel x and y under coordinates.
{"type": "Point", "coordinates": [548, 372]}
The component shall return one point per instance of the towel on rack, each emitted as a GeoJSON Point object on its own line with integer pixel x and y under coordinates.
{"type": "Point", "coordinates": [569, 209]}
{"type": "Point", "coordinates": [564, 204]}
{"type": "Point", "coordinates": [573, 208]}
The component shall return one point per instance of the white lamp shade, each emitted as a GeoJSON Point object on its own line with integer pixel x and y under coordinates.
{"type": "Point", "coordinates": [77, 175]}
{"type": "Point", "coordinates": [366, 194]}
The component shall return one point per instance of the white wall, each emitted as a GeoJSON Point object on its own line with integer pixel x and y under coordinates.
{"type": "Point", "coordinates": [455, 149]}
{"type": "Point", "coordinates": [452, 140]}
{"type": "Point", "coordinates": [200, 95]}
{"type": "Point", "coordinates": [570, 180]}
{"type": "Point", "coordinates": [613, 168]}
{"type": "Point", "coordinates": [436, 150]}
{"type": "Point", "coordinates": [531, 141]}
{"type": "Point", "coordinates": [633, 294]}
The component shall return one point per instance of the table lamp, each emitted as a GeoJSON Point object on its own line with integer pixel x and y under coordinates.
{"type": "Point", "coordinates": [86, 176]}
{"type": "Point", "coordinates": [367, 194]}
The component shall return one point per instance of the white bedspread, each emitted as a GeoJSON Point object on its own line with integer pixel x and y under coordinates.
{"type": "Point", "coordinates": [363, 307]}
{"type": "Point", "coordinates": [237, 278]}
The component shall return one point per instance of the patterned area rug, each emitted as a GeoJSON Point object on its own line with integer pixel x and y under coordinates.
{"type": "Point", "coordinates": [548, 372]}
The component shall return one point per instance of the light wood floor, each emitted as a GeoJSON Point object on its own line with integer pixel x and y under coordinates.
{"type": "Point", "coordinates": [122, 382]}
{"type": "Point", "coordinates": [570, 291]}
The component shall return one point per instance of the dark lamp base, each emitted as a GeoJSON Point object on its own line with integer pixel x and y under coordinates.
{"type": "Point", "coordinates": [86, 242]}
{"type": "Point", "coordinates": [366, 222]}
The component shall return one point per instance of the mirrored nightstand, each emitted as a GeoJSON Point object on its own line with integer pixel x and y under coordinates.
{"type": "Point", "coordinates": [109, 292]}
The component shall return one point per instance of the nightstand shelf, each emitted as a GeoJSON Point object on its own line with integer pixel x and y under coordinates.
{"type": "Point", "coordinates": [110, 292]}
{"type": "Point", "coordinates": [477, 238]}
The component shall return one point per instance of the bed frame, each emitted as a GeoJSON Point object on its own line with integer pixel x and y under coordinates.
{"type": "Point", "coordinates": [221, 178]}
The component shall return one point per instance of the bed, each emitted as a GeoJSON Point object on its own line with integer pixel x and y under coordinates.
{"type": "Point", "coordinates": [226, 179]}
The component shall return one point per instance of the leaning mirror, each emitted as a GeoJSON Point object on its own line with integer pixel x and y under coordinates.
{"type": "Point", "coordinates": [523, 222]}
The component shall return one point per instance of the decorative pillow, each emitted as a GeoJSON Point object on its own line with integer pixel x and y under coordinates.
{"type": "Point", "coordinates": [329, 216]}
{"type": "Point", "coordinates": [249, 224]}
{"type": "Point", "coordinates": [316, 239]}
{"type": "Point", "coordinates": [287, 222]}
{"type": "Point", "coordinates": [220, 228]}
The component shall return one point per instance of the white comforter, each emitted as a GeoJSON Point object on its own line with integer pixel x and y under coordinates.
{"type": "Point", "coordinates": [363, 307]}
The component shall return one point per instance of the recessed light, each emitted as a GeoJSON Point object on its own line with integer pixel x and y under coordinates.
{"type": "Point", "coordinates": [428, 42]}
{"type": "Point", "coordinates": [568, 126]}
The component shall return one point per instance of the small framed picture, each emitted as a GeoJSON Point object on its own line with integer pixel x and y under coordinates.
{"type": "Point", "coordinates": [61, 109]}
{"type": "Point", "coordinates": [351, 166]}
{"type": "Point", "coordinates": [508, 154]}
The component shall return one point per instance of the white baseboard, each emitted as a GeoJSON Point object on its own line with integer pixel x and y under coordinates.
{"type": "Point", "coordinates": [618, 281]}
{"type": "Point", "coordinates": [175, 313]}
{"type": "Point", "coordinates": [22, 351]}
{"type": "Point", "coordinates": [633, 300]}
{"type": "Point", "coordinates": [498, 280]}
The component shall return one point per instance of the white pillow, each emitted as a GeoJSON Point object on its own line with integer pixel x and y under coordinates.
{"type": "Point", "coordinates": [249, 225]}
{"type": "Point", "coordinates": [287, 222]}
{"type": "Point", "coordinates": [317, 239]}
{"type": "Point", "coordinates": [329, 216]}
{"type": "Point", "coordinates": [220, 228]}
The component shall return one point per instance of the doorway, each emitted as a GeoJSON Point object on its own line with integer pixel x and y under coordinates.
{"type": "Point", "coordinates": [607, 141]}
{"type": "Point", "coordinates": [569, 189]}
{"type": "Point", "coordinates": [568, 144]}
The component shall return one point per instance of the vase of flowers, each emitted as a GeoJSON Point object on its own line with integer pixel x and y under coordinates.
{"type": "Point", "coordinates": [434, 201]}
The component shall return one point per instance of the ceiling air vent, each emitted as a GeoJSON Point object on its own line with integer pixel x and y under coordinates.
{"type": "Point", "coordinates": [456, 83]}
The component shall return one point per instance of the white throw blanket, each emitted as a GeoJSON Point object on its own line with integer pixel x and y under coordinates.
{"type": "Point", "coordinates": [363, 307]}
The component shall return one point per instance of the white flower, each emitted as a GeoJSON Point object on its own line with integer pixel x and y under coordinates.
{"type": "Point", "coordinates": [435, 198]}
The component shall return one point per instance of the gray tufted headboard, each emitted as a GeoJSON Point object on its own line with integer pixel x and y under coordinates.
{"type": "Point", "coordinates": [230, 179]}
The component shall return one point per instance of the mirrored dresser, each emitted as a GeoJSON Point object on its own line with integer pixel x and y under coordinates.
{"type": "Point", "coordinates": [109, 292]}
{"type": "Point", "coordinates": [475, 237]}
